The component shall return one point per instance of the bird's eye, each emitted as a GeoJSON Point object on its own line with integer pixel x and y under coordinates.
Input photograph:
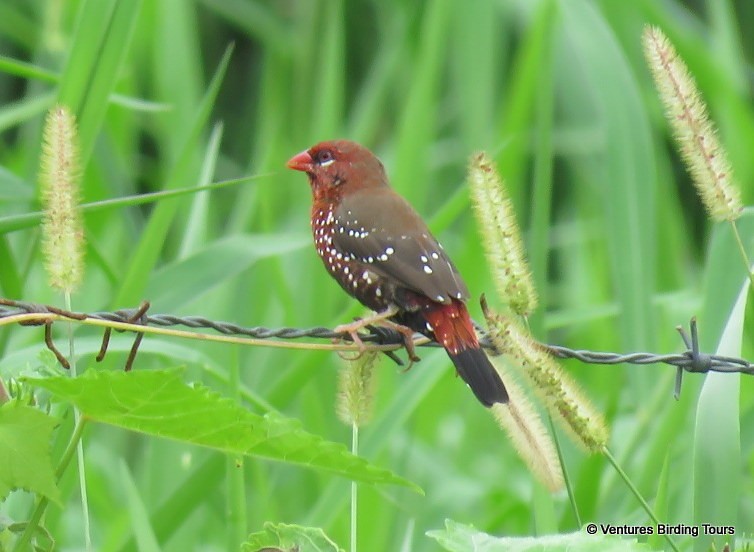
{"type": "Point", "coordinates": [324, 158]}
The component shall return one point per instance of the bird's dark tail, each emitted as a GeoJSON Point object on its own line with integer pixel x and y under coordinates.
{"type": "Point", "coordinates": [452, 328]}
{"type": "Point", "coordinates": [477, 371]}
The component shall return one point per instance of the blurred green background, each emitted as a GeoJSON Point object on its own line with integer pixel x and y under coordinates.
{"type": "Point", "coordinates": [557, 91]}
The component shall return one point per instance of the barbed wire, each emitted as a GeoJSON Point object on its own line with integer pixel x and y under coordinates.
{"type": "Point", "coordinates": [692, 360]}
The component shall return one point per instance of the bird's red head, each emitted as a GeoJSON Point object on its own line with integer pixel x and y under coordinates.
{"type": "Point", "coordinates": [338, 167]}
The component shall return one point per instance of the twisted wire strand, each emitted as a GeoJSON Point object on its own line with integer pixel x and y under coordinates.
{"type": "Point", "coordinates": [690, 360]}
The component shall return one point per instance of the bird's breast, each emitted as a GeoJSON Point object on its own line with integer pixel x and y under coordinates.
{"type": "Point", "coordinates": [354, 276]}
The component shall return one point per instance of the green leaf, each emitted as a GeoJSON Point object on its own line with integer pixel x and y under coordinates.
{"type": "Point", "coordinates": [138, 512]}
{"type": "Point", "coordinates": [103, 35]}
{"type": "Point", "coordinates": [287, 538]}
{"type": "Point", "coordinates": [25, 463]}
{"type": "Point", "coordinates": [462, 538]}
{"type": "Point", "coordinates": [159, 403]}
{"type": "Point", "coordinates": [625, 170]}
{"type": "Point", "coordinates": [717, 476]}
{"type": "Point", "coordinates": [717, 437]}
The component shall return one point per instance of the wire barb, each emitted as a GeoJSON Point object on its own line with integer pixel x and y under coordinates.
{"type": "Point", "coordinates": [692, 360]}
{"type": "Point", "coordinates": [51, 345]}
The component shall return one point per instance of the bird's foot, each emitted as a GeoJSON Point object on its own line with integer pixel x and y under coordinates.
{"type": "Point", "coordinates": [383, 319]}
{"type": "Point", "coordinates": [408, 341]}
{"type": "Point", "coordinates": [356, 341]}
{"type": "Point", "coordinates": [353, 328]}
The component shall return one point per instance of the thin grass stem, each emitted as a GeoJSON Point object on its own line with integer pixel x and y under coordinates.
{"type": "Point", "coordinates": [647, 508]}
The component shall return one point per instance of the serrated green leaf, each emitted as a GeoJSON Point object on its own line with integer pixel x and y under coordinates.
{"type": "Point", "coordinates": [25, 463]}
{"type": "Point", "coordinates": [462, 538]}
{"type": "Point", "coordinates": [159, 403]}
{"type": "Point", "coordinates": [287, 538]}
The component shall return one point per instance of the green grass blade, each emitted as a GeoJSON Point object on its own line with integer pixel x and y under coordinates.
{"type": "Point", "coordinates": [140, 519]}
{"type": "Point", "coordinates": [626, 173]}
{"type": "Point", "coordinates": [11, 223]}
{"type": "Point", "coordinates": [417, 127]}
{"type": "Point", "coordinates": [153, 236]}
{"type": "Point", "coordinates": [717, 438]}
{"type": "Point", "coordinates": [104, 33]}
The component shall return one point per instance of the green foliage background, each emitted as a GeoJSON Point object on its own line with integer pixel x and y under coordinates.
{"type": "Point", "coordinates": [556, 90]}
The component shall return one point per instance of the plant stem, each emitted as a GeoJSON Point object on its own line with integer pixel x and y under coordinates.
{"type": "Point", "coordinates": [234, 468]}
{"type": "Point", "coordinates": [636, 493]}
{"type": "Point", "coordinates": [354, 487]}
{"type": "Point", "coordinates": [79, 442]}
{"type": "Point", "coordinates": [566, 477]}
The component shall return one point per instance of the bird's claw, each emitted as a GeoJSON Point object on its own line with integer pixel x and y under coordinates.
{"type": "Point", "coordinates": [352, 331]}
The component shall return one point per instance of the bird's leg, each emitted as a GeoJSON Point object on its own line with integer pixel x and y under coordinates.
{"type": "Point", "coordinates": [383, 319]}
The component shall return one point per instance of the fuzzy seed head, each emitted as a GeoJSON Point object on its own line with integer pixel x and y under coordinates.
{"type": "Point", "coordinates": [520, 421]}
{"type": "Point", "coordinates": [562, 396]}
{"type": "Point", "coordinates": [356, 382]}
{"type": "Point", "coordinates": [502, 237]}
{"type": "Point", "coordinates": [62, 229]}
{"type": "Point", "coordinates": [695, 135]}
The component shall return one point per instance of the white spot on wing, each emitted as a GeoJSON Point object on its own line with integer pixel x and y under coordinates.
{"type": "Point", "coordinates": [427, 269]}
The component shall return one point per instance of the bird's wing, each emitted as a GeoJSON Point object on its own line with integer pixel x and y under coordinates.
{"type": "Point", "coordinates": [382, 230]}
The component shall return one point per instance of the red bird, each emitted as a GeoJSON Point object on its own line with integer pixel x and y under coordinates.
{"type": "Point", "coordinates": [381, 252]}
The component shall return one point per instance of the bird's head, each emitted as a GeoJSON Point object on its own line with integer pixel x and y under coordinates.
{"type": "Point", "coordinates": [339, 167]}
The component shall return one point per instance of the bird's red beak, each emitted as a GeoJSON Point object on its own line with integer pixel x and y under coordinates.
{"type": "Point", "coordinates": [301, 162]}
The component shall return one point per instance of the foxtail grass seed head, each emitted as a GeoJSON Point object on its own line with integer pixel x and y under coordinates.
{"type": "Point", "coordinates": [705, 158]}
{"type": "Point", "coordinates": [62, 229]}
{"type": "Point", "coordinates": [532, 442]}
{"type": "Point", "coordinates": [356, 382]}
{"type": "Point", "coordinates": [562, 396]}
{"type": "Point", "coordinates": [501, 235]}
